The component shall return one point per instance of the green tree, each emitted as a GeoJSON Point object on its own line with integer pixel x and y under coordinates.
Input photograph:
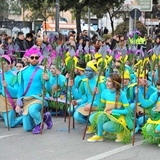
{"type": "Point", "coordinates": [112, 7]}
{"type": "Point", "coordinates": [77, 6]}
{"type": "Point", "coordinates": [97, 6]}
{"type": "Point", "coordinates": [4, 9]}
{"type": "Point", "coordinates": [38, 9]}
{"type": "Point", "coordinates": [43, 11]}
{"type": "Point", "coordinates": [123, 28]}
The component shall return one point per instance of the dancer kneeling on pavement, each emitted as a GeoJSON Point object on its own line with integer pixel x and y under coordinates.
{"type": "Point", "coordinates": [87, 89]}
{"type": "Point", "coordinates": [10, 81]}
{"type": "Point", "coordinates": [151, 130]}
{"type": "Point", "coordinates": [31, 80]}
{"type": "Point", "coordinates": [116, 116]}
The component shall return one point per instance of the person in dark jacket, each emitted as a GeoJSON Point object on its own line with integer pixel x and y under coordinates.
{"type": "Point", "coordinates": [19, 41]}
{"type": "Point", "coordinates": [114, 42]}
{"type": "Point", "coordinates": [28, 42]}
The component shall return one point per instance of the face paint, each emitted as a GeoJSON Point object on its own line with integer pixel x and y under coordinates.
{"type": "Point", "coordinates": [115, 71]}
{"type": "Point", "coordinates": [89, 72]}
{"type": "Point", "coordinates": [109, 83]}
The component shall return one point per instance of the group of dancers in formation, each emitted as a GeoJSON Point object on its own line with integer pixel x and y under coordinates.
{"type": "Point", "coordinates": [116, 92]}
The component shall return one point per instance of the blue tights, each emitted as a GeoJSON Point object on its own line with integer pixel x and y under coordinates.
{"type": "Point", "coordinates": [104, 124]}
{"type": "Point", "coordinates": [13, 122]}
{"type": "Point", "coordinates": [33, 117]}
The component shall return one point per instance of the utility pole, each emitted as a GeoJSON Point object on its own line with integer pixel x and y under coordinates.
{"type": "Point", "coordinates": [57, 16]}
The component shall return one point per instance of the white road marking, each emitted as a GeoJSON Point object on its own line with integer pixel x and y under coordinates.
{"type": "Point", "coordinates": [114, 151]}
{"type": "Point", "coordinates": [7, 136]}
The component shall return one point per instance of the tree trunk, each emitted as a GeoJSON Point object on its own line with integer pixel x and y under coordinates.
{"type": "Point", "coordinates": [112, 24]}
{"type": "Point", "coordinates": [78, 20]}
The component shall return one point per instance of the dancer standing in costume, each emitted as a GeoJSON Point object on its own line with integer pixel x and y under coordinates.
{"type": "Point", "coordinates": [11, 83]}
{"type": "Point", "coordinates": [116, 115]}
{"type": "Point", "coordinates": [31, 80]}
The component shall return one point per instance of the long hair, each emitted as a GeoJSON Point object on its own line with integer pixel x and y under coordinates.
{"type": "Point", "coordinates": [116, 79]}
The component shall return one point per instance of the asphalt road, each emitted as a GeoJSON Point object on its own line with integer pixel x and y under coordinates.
{"type": "Point", "coordinates": [58, 144]}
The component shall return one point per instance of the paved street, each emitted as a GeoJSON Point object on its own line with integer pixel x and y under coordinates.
{"type": "Point", "coordinates": [58, 144]}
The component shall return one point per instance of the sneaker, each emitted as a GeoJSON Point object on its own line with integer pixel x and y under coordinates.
{"type": "Point", "coordinates": [95, 138]}
{"type": "Point", "coordinates": [37, 129]}
{"type": "Point", "coordinates": [119, 137]}
{"type": "Point", "coordinates": [48, 120]}
{"type": "Point", "coordinates": [89, 130]}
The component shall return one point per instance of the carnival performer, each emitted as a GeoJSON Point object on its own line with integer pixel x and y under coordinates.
{"type": "Point", "coordinates": [79, 70]}
{"type": "Point", "coordinates": [126, 82]}
{"type": "Point", "coordinates": [19, 65]}
{"type": "Point", "coordinates": [31, 79]}
{"type": "Point", "coordinates": [87, 89]}
{"type": "Point", "coordinates": [10, 81]}
{"type": "Point", "coordinates": [114, 115]}
{"type": "Point", "coordinates": [141, 118]}
{"type": "Point", "coordinates": [151, 130]}
{"type": "Point", "coordinates": [61, 80]}
{"type": "Point", "coordinates": [80, 75]}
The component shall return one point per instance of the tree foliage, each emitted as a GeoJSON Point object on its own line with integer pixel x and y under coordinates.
{"type": "Point", "coordinates": [4, 9]}
{"type": "Point", "coordinates": [39, 9]}
{"type": "Point", "coordinates": [76, 6]}
{"type": "Point", "coordinates": [123, 28]}
{"type": "Point", "coordinates": [98, 7]}
{"type": "Point", "coordinates": [112, 7]}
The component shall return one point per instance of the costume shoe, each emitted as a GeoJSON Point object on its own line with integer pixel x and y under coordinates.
{"type": "Point", "coordinates": [37, 129]}
{"type": "Point", "coordinates": [48, 120]}
{"type": "Point", "coordinates": [95, 138]}
{"type": "Point", "coordinates": [89, 130]}
{"type": "Point", "coordinates": [119, 137]}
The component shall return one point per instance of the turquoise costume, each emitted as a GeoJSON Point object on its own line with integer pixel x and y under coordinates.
{"type": "Point", "coordinates": [12, 86]}
{"type": "Point", "coordinates": [75, 88]}
{"type": "Point", "coordinates": [87, 89]}
{"type": "Point", "coordinates": [119, 121]}
{"type": "Point", "coordinates": [153, 123]}
{"type": "Point", "coordinates": [140, 118]}
{"type": "Point", "coordinates": [31, 112]}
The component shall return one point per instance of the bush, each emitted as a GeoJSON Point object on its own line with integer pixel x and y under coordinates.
{"type": "Point", "coordinates": [106, 35]}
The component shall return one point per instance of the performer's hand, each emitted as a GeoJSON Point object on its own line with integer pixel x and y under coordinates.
{"type": "Point", "coordinates": [87, 107]}
{"type": "Point", "coordinates": [70, 83]}
{"type": "Point", "coordinates": [109, 112]}
{"type": "Point", "coordinates": [153, 73]}
{"type": "Point", "coordinates": [58, 72]}
{"type": "Point", "coordinates": [67, 75]}
{"type": "Point", "coordinates": [136, 90]}
{"type": "Point", "coordinates": [4, 83]}
{"type": "Point", "coordinates": [146, 82]}
{"type": "Point", "coordinates": [96, 90]}
{"type": "Point", "coordinates": [45, 76]}
{"type": "Point", "coordinates": [156, 131]}
{"type": "Point", "coordinates": [140, 113]}
{"type": "Point", "coordinates": [18, 109]}
{"type": "Point", "coordinates": [74, 103]}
